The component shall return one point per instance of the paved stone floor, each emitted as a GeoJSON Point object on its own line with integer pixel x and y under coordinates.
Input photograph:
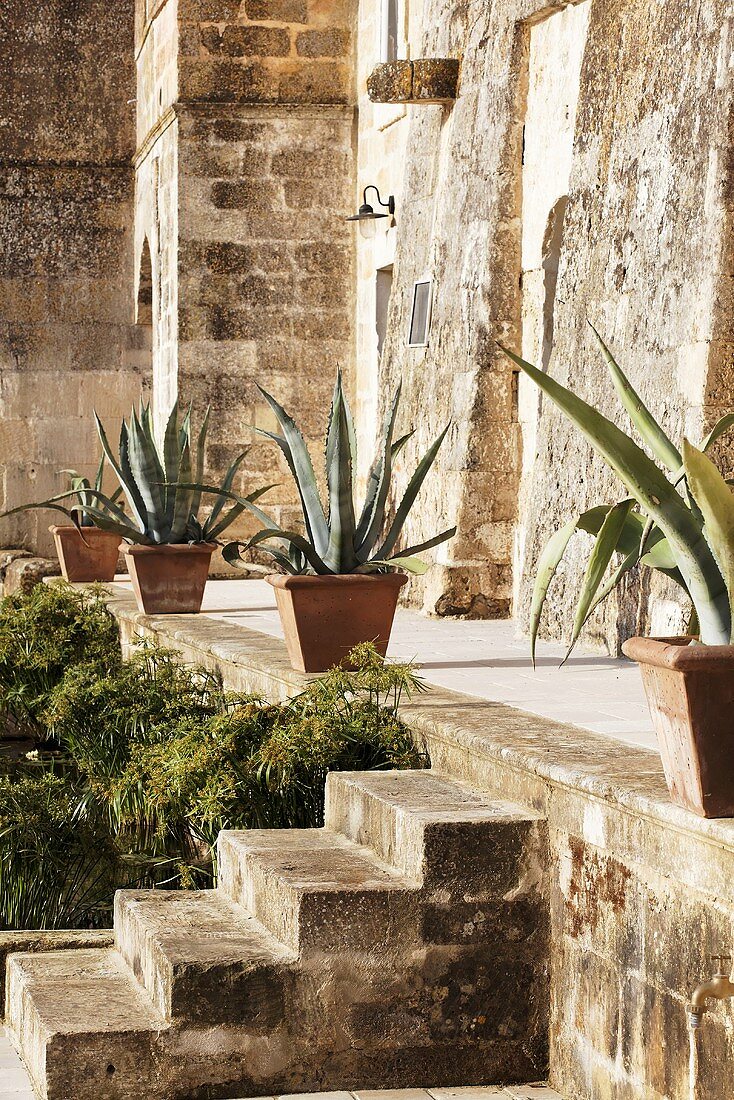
{"type": "Point", "coordinates": [14, 1081]}
{"type": "Point", "coordinates": [485, 659]}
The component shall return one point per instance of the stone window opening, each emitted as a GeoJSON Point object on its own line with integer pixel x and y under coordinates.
{"type": "Point", "coordinates": [144, 306]}
{"type": "Point", "coordinates": [390, 36]}
{"type": "Point", "coordinates": [551, 255]}
{"type": "Point", "coordinates": [383, 290]}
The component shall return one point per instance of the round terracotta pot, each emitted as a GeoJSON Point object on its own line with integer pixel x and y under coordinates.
{"type": "Point", "coordinates": [89, 556]}
{"type": "Point", "coordinates": [690, 692]}
{"type": "Point", "coordinates": [324, 617]}
{"type": "Point", "coordinates": [169, 580]}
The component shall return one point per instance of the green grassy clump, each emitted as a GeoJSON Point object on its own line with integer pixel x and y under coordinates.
{"type": "Point", "coordinates": [139, 764]}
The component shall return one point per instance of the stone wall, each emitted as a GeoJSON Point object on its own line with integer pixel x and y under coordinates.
{"type": "Point", "coordinates": [244, 179]}
{"type": "Point", "coordinates": [646, 255]}
{"type": "Point", "coordinates": [67, 339]}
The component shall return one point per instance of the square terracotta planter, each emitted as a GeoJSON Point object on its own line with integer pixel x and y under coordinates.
{"type": "Point", "coordinates": [169, 580]}
{"type": "Point", "coordinates": [89, 556]}
{"type": "Point", "coordinates": [324, 617]}
{"type": "Point", "coordinates": [690, 692]}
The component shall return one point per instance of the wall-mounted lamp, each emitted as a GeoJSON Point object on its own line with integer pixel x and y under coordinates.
{"type": "Point", "coordinates": [367, 216]}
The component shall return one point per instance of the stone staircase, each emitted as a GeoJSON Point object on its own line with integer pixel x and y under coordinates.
{"type": "Point", "coordinates": [404, 944]}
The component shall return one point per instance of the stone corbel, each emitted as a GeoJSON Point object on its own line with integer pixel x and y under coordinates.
{"type": "Point", "coordinates": [425, 80]}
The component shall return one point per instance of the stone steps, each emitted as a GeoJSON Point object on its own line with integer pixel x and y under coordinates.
{"type": "Point", "coordinates": [405, 943]}
{"type": "Point", "coordinates": [314, 888]}
{"type": "Point", "coordinates": [200, 957]}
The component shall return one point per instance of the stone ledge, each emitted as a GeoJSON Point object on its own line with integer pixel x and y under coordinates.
{"type": "Point", "coordinates": [424, 80]}
{"type": "Point", "coordinates": [527, 758]}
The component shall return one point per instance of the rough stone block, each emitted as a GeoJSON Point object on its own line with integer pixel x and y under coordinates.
{"type": "Point", "coordinates": [243, 41]}
{"type": "Point", "coordinates": [315, 82]}
{"type": "Point", "coordinates": [13, 943]}
{"type": "Point", "coordinates": [435, 80]}
{"type": "Point", "coordinates": [85, 1026]}
{"type": "Point", "coordinates": [286, 11]}
{"type": "Point", "coordinates": [331, 42]}
{"type": "Point", "coordinates": [312, 889]}
{"type": "Point", "coordinates": [23, 574]}
{"type": "Point", "coordinates": [391, 82]}
{"type": "Point", "coordinates": [243, 195]}
{"type": "Point", "coordinates": [435, 829]}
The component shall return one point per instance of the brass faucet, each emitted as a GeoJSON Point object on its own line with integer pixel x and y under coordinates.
{"type": "Point", "coordinates": [719, 987]}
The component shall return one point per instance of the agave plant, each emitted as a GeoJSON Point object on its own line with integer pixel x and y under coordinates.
{"type": "Point", "coordinates": [163, 503]}
{"type": "Point", "coordinates": [681, 524]}
{"type": "Point", "coordinates": [339, 539]}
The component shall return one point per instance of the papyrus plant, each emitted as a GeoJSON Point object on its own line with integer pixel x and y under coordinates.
{"type": "Point", "coordinates": [341, 539]}
{"type": "Point", "coordinates": [678, 519]}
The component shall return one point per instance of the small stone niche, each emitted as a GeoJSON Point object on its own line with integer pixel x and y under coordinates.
{"type": "Point", "coordinates": [424, 80]}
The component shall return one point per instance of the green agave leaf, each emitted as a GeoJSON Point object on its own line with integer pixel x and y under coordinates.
{"type": "Point", "coordinates": [299, 462]}
{"type": "Point", "coordinates": [199, 464]}
{"type": "Point", "coordinates": [647, 484]}
{"type": "Point", "coordinates": [720, 428]}
{"type": "Point", "coordinates": [339, 556]}
{"type": "Point", "coordinates": [213, 531]}
{"type": "Point", "coordinates": [716, 502]}
{"type": "Point", "coordinates": [171, 459]}
{"type": "Point", "coordinates": [124, 476]}
{"type": "Point", "coordinates": [124, 530]}
{"type": "Point", "coordinates": [227, 485]}
{"type": "Point", "coordinates": [44, 505]}
{"type": "Point", "coordinates": [409, 563]}
{"type": "Point", "coordinates": [607, 542]}
{"type": "Point", "coordinates": [646, 424]}
{"type": "Point", "coordinates": [183, 498]}
{"type": "Point", "coordinates": [609, 585]}
{"type": "Point", "coordinates": [548, 562]}
{"type": "Point", "coordinates": [149, 477]}
{"type": "Point", "coordinates": [99, 476]}
{"type": "Point", "coordinates": [414, 486]}
{"type": "Point", "coordinates": [372, 518]}
{"type": "Point", "coordinates": [419, 547]}
{"type": "Point", "coordinates": [263, 517]}
{"type": "Point", "coordinates": [400, 443]}
{"type": "Point", "coordinates": [313, 559]}
{"type": "Point", "coordinates": [232, 555]}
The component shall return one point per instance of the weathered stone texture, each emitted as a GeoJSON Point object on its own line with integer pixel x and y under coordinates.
{"type": "Point", "coordinates": [67, 341]}
{"type": "Point", "coordinates": [263, 283]}
{"type": "Point", "coordinates": [425, 80]}
{"type": "Point", "coordinates": [241, 201]}
{"type": "Point", "coordinates": [645, 245]}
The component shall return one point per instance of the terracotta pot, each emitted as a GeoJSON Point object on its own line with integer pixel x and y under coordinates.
{"type": "Point", "coordinates": [690, 692]}
{"type": "Point", "coordinates": [92, 557]}
{"type": "Point", "coordinates": [169, 580]}
{"type": "Point", "coordinates": [324, 617]}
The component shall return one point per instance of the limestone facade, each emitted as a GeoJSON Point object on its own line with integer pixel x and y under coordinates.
{"type": "Point", "coordinates": [68, 342]}
{"type": "Point", "coordinates": [196, 241]}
